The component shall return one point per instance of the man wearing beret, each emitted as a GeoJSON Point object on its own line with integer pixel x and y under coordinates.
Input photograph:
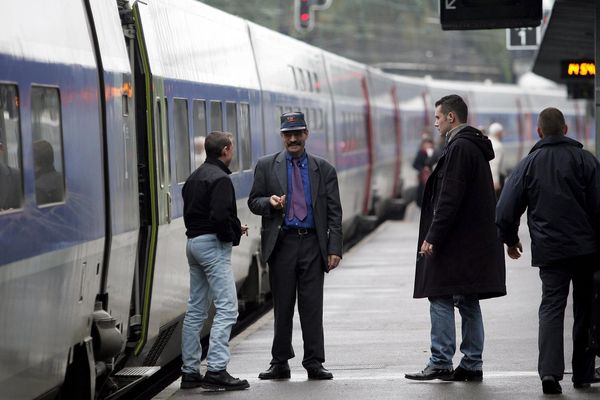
{"type": "Point", "coordinates": [297, 195]}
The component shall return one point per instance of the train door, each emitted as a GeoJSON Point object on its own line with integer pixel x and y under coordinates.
{"type": "Point", "coordinates": [370, 147]}
{"type": "Point", "coordinates": [120, 161]}
{"type": "Point", "coordinates": [398, 148]}
{"type": "Point", "coordinates": [154, 175]}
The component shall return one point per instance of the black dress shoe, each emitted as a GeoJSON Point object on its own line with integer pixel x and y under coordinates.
{"type": "Point", "coordinates": [276, 371]}
{"type": "Point", "coordinates": [319, 373]}
{"type": "Point", "coordinates": [466, 375]}
{"type": "Point", "coordinates": [221, 380]}
{"type": "Point", "coordinates": [585, 385]}
{"type": "Point", "coordinates": [189, 381]}
{"type": "Point", "coordinates": [430, 373]}
{"type": "Point", "coordinates": [550, 385]}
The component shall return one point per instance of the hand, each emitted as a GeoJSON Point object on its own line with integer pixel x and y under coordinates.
{"type": "Point", "coordinates": [515, 251]}
{"type": "Point", "coordinates": [277, 202]}
{"type": "Point", "coordinates": [245, 229]}
{"type": "Point", "coordinates": [332, 261]}
{"type": "Point", "coordinates": [426, 248]}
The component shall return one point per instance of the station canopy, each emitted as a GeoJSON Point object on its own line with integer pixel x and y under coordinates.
{"type": "Point", "coordinates": [569, 35]}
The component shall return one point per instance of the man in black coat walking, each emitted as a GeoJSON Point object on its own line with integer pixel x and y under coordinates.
{"type": "Point", "coordinates": [559, 185]}
{"type": "Point", "coordinates": [460, 258]}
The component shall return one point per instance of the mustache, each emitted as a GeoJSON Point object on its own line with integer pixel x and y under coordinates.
{"type": "Point", "coordinates": [294, 143]}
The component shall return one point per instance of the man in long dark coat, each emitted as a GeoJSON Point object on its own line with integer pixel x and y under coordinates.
{"type": "Point", "coordinates": [460, 258]}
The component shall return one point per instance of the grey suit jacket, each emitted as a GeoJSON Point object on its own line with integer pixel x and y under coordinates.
{"type": "Point", "coordinates": [270, 178]}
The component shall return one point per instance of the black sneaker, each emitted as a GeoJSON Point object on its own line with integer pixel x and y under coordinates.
{"type": "Point", "coordinates": [221, 380]}
{"type": "Point", "coordinates": [190, 381]}
{"type": "Point", "coordinates": [550, 385]}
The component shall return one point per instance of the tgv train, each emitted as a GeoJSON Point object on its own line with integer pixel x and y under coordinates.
{"type": "Point", "coordinates": [103, 109]}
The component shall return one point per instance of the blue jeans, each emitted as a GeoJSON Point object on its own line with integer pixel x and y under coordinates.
{"type": "Point", "coordinates": [210, 277]}
{"type": "Point", "coordinates": [443, 331]}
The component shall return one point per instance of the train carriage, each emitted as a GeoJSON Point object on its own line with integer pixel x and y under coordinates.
{"type": "Point", "coordinates": [200, 76]}
{"type": "Point", "coordinates": [52, 240]}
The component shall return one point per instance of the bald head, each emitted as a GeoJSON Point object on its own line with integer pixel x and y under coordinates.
{"type": "Point", "coordinates": [551, 122]}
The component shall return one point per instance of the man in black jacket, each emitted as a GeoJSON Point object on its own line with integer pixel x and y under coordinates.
{"type": "Point", "coordinates": [210, 216]}
{"type": "Point", "coordinates": [559, 185]}
{"type": "Point", "coordinates": [460, 258]}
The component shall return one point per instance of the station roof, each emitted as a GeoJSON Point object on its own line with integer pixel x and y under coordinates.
{"type": "Point", "coordinates": [569, 35]}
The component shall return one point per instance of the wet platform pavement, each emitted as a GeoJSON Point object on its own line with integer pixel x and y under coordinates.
{"type": "Point", "coordinates": [375, 332]}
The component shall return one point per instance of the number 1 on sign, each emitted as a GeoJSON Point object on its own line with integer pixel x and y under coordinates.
{"type": "Point", "coordinates": [523, 35]}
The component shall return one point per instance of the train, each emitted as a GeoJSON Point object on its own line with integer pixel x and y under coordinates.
{"type": "Point", "coordinates": [103, 110]}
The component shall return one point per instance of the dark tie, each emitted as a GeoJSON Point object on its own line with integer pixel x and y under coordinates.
{"type": "Point", "coordinates": [298, 206]}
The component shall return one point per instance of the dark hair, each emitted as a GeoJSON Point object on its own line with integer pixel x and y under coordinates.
{"type": "Point", "coordinates": [456, 104]}
{"type": "Point", "coordinates": [215, 142]}
{"type": "Point", "coordinates": [551, 121]}
{"type": "Point", "coordinates": [43, 154]}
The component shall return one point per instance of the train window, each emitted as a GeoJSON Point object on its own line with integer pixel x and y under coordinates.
{"type": "Point", "coordinates": [199, 120]}
{"type": "Point", "coordinates": [216, 116]}
{"type": "Point", "coordinates": [182, 139]}
{"type": "Point", "coordinates": [319, 117]}
{"type": "Point", "coordinates": [46, 127]}
{"type": "Point", "coordinates": [301, 82]}
{"type": "Point", "coordinates": [313, 118]}
{"type": "Point", "coordinates": [162, 142]}
{"type": "Point", "coordinates": [159, 147]}
{"type": "Point", "coordinates": [309, 80]}
{"type": "Point", "coordinates": [231, 113]}
{"type": "Point", "coordinates": [316, 82]}
{"type": "Point", "coordinates": [245, 137]}
{"type": "Point", "coordinates": [11, 177]}
{"type": "Point", "coordinates": [278, 113]}
{"type": "Point", "coordinates": [294, 75]}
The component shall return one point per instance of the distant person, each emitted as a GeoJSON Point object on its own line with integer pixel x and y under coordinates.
{"type": "Point", "coordinates": [10, 183]}
{"type": "Point", "coordinates": [559, 185]}
{"type": "Point", "coordinates": [424, 161]}
{"type": "Point", "coordinates": [298, 197]}
{"type": "Point", "coordinates": [460, 258]}
{"type": "Point", "coordinates": [199, 152]}
{"type": "Point", "coordinates": [49, 183]}
{"type": "Point", "coordinates": [495, 134]}
{"type": "Point", "coordinates": [212, 228]}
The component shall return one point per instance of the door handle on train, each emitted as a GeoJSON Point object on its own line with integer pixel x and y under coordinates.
{"type": "Point", "coordinates": [169, 207]}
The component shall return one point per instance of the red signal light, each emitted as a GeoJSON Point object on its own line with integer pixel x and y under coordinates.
{"type": "Point", "coordinates": [305, 17]}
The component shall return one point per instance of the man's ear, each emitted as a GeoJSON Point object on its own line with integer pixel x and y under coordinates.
{"type": "Point", "coordinates": [565, 129]}
{"type": "Point", "coordinates": [540, 133]}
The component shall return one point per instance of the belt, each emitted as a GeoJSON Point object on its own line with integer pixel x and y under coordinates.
{"type": "Point", "coordinates": [298, 231]}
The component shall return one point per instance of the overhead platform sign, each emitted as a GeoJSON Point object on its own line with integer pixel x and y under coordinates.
{"type": "Point", "coordinates": [489, 14]}
{"type": "Point", "coordinates": [523, 38]}
{"type": "Point", "coordinates": [579, 78]}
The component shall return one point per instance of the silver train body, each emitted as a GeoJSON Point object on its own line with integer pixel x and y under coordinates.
{"type": "Point", "coordinates": [94, 281]}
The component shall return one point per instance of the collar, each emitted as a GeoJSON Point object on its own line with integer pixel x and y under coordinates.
{"type": "Point", "coordinates": [452, 132]}
{"type": "Point", "coordinates": [218, 163]}
{"type": "Point", "coordinates": [554, 140]}
{"type": "Point", "coordinates": [302, 158]}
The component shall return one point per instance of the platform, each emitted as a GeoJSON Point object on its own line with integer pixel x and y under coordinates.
{"type": "Point", "coordinates": [375, 332]}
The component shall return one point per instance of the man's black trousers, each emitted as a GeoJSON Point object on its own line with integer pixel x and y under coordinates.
{"type": "Point", "coordinates": [296, 266]}
{"type": "Point", "coordinates": [555, 291]}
